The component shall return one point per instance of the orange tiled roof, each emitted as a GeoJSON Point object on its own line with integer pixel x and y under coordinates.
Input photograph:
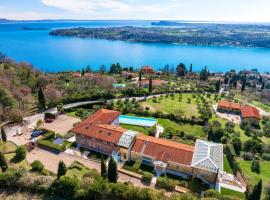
{"type": "Point", "coordinates": [250, 111]}
{"type": "Point", "coordinates": [155, 82]}
{"type": "Point", "coordinates": [76, 74]}
{"type": "Point", "coordinates": [98, 126]}
{"type": "Point", "coordinates": [229, 105]}
{"type": "Point", "coordinates": [163, 150]}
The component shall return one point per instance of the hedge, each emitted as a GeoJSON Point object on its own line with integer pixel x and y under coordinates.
{"type": "Point", "coordinates": [50, 145]}
{"type": "Point", "coordinates": [147, 177]}
{"type": "Point", "coordinates": [166, 183]}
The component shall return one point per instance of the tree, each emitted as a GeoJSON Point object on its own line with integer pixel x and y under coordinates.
{"type": "Point", "coordinates": [20, 153]}
{"type": "Point", "coordinates": [204, 74]}
{"type": "Point", "coordinates": [102, 69]}
{"type": "Point", "coordinates": [244, 81]}
{"type": "Point", "coordinates": [88, 69]}
{"type": "Point", "coordinates": [62, 169]}
{"type": "Point", "coordinates": [263, 86]}
{"type": "Point", "coordinates": [140, 76]}
{"type": "Point", "coordinates": [256, 192]}
{"type": "Point", "coordinates": [103, 168]}
{"type": "Point", "coordinates": [3, 162]}
{"type": "Point", "coordinates": [41, 99]}
{"type": "Point", "coordinates": [217, 85]}
{"type": "Point", "coordinates": [237, 145]}
{"type": "Point", "coordinates": [267, 192]}
{"type": "Point", "coordinates": [181, 70]}
{"type": "Point", "coordinates": [150, 86]}
{"type": "Point", "coordinates": [112, 171]}
{"type": "Point", "coordinates": [83, 72]}
{"type": "Point", "coordinates": [190, 68]}
{"type": "Point", "coordinates": [37, 166]}
{"type": "Point", "coordinates": [3, 134]}
{"type": "Point", "coordinates": [255, 166]}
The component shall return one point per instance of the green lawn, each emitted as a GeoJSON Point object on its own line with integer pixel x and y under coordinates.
{"type": "Point", "coordinates": [173, 105]}
{"type": "Point", "coordinates": [23, 163]}
{"type": "Point", "coordinates": [187, 128]}
{"type": "Point", "coordinates": [135, 128]}
{"type": "Point", "coordinates": [253, 177]}
{"type": "Point", "coordinates": [226, 165]}
{"type": "Point", "coordinates": [9, 147]}
{"type": "Point", "coordinates": [231, 193]}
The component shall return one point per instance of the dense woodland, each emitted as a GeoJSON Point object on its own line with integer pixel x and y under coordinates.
{"type": "Point", "coordinates": [244, 35]}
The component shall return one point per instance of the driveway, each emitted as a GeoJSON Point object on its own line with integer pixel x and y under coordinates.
{"type": "Point", "coordinates": [62, 124]}
{"type": "Point", "coordinates": [50, 161]}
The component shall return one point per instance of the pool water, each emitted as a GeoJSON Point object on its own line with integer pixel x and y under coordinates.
{"type": "Point", "coordinates": [138, 121]}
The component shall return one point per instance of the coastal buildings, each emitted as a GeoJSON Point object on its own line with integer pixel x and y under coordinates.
{"type": "Point", "coordinates": [147, 70]}
{"type": "Point", "coordinates": [101, 132]}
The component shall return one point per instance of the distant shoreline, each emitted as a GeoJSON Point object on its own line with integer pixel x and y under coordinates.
{"type": "Point", "coordinates": [219, 35]}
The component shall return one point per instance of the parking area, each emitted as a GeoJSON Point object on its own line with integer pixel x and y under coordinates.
{"type": "Point", "coordinates": [62, 124]}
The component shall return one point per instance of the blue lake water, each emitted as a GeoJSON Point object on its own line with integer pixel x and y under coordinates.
{"type": "Point", "coordinates": [51, 53]}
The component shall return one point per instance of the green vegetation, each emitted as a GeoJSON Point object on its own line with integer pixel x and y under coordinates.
{"type": "Point", "coordinates": [139, 129]}
{"type": "Point", "coordinates": [177, 104]}
{"type": "Point", "coordinates": [227, 167]}
{"type": "Point", "coordinates": [231, 193]}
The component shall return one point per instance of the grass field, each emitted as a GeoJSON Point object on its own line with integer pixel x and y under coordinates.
{"type": "Point", "coordinates": [173, 105]}
{"type": "Point", "coordinates": [231, 193]}
{"type": "Point", "coordinates": [135, 128]}
{"type": "Point", "coordinates": [253, 177]}
{"type": "Point", "coordinates": [226, 166]}
{"type": "Point", "coordinates": [187, 128]}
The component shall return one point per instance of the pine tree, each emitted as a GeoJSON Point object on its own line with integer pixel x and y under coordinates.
{"type": "Point", "coordinates": [3, 162]}
{"type": "Point", "coordinates": [243, 88]}
{"type": "Point", "coordinates": [41, 99]}
{"type": "Point", "coordinates": [103, 168]}
{"type": "Point", "coordinates": [150, 86]}
{"type": "Point", "coordinates": [3, 134]}
{"type": "Point", "coordinates": [112, 171]}
{"type": "Point", "coordinates": [62, 169]}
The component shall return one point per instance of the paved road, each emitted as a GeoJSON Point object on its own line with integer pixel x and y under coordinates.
{"type": "Point", "coordinates": [34, 118]}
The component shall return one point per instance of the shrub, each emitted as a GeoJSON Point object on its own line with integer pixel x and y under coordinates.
{"type": "Point", "coordinates": [166, 183]}
{"type": "Point", "coordinates": [255, 166]}
{"type": "Point", "coordinates": [147, 177]}
{"type": "Point", "coordinates": [48, 144]}
{"type": "Point", "coordinates": [211, 193]}
{"type": "Point", "coordinates": [266, 156]}
{"type": "Point", "coordinates": [248, 156]}
{"type": "Point", "coordinates": [137, 165]}
{"type": "Point", "coordinates": [65, 187]}
{"type": "Point", "coordinates": [37, 166]}
{"type": "Point", "coordinates": [20, 153]}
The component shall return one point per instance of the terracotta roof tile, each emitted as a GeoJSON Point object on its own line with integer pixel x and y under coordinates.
{"type": "Point", "coordinates": [98, 126]}
{"type": "Point", "coordinates": [164, 150]}
{"type": "Point", "coordinates": [250, 111]}
{"type": "Point", "coordinates": [229, 105]}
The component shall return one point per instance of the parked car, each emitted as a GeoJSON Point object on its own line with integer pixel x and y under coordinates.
{"type": "Point", "coordinates": [48, 120]}
{"type": "Point", "coordinates": [36, 133]}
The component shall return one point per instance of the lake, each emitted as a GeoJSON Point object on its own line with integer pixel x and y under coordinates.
{"type": "Point", "coordinates": [52, 53]}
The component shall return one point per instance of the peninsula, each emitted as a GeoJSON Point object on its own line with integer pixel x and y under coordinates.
{"type": "Point", "coordinates": [238, 35]}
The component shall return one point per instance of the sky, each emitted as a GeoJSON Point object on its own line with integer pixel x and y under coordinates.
{"type": "Point", "coordinates": [198, 10]}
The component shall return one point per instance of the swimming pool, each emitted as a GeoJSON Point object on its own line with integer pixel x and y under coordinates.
{"type": "Point", "coordinates": [138, 121]}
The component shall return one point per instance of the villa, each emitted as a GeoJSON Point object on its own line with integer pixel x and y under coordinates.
{"type": "Point", "coordinates": [101, 133]}
{"type": "Point", "coordinates": [147, 70]}
{"type": "Point", "coordinates": [246, 112]}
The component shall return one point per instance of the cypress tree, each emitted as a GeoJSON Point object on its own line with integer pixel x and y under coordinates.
{"type": "Point", "coordinates": [150, 86]}
{"type": "Point", "coordinates": [62, 169]}
{"type": "Point", "coordinates": [3, 162]}
{"type": "Point", "coordinates": [41, 99]}
{"type": "Point", "coordinates": [103, 168]}
{"type": "Point", "coordinates": [190, 68]}
{"type": "Point", "coordinates": [256, 192]}
{"type": "Point", "coordinates": [3, 134]}
{"type": "Point", "coordinates": [112, 171]}
{"type": "Point", "coordinates": [140, 76]}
